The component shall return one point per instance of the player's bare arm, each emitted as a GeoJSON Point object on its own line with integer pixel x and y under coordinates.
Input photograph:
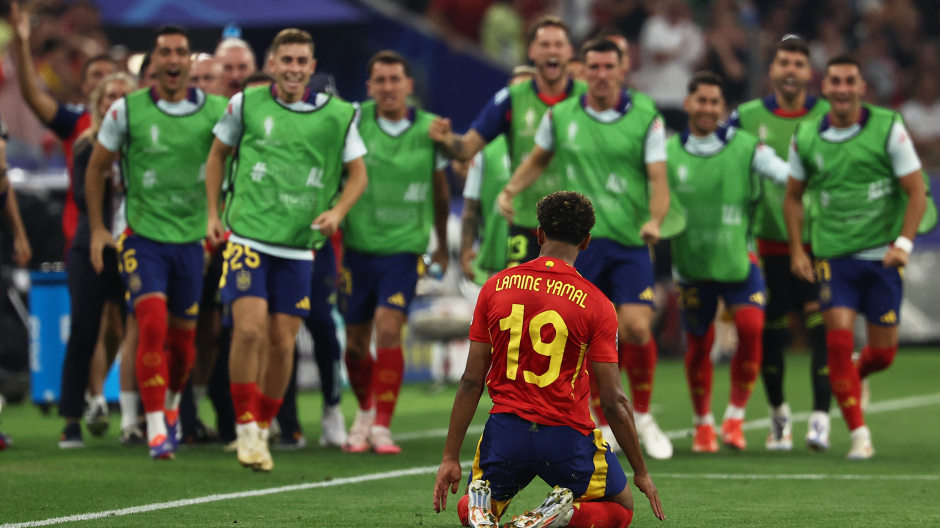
{"type": "Point", "coordinates": [469, 391]}
{"type": "Point", "coordinates": [528, 173]}
{"type": "Point", "coordinates": [215, 166]}
{"type": "Point", "coordinates": [41, 103]}
{"type": "Point", "coordinates": [913, 186]}
{"type": "Point", "coordinates": [462, 148]}
{"type": "Point", "coordinates": [328, 222]}
{"type": "Point", "coordinates": [618, 411]}
{"type": "Point", "coordinates": [800, 263]}
{"type": "Point", "coordinates": [469, 227]}
{"type": "Point", "coordinates": [659, 201]}
{"type": "Point", "coordinates": [100, 163]}
{"type": "Point", "coordinates": [441, 213]}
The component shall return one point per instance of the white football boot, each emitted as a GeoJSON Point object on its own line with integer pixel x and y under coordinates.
{"type": "Point", "coordinates": [481, 509]}
{"type": "Point", "coordinates": [265, 463]}
{"type": "Point", "coordinates": [247, 449]}
{"type": "Point", "coordinates": [555, 512]}
{"type": "Point", "coordinates": [780, 437]}
{"type": "Point", "coordinates": [861, 444]}
{"type": "Point", "coordinates": [656, 442]}
{"type": "Point", "coordinates": [358, 439]}
{"type": "Point", "coordinates": [334, 426]}
{"type": "Point", "coordinates": [817, 435]}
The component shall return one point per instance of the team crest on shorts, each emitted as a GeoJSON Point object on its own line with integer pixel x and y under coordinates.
{"type": "Point", "coordinates": [243, 280]}
{"type": "Point", "coordinates": [825, 293]}
{"type": "Point", "coordinates": [133, 283]}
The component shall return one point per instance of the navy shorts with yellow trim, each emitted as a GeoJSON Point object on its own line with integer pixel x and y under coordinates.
{"type": "Point", "coordinates": [513, 451]}
{"type": "Point", "coordinates": [523, 246]}
{"type": "Point", "coordinates": [698, 301]}
{"type": "Point", "coordinates": [865, 286]}
{"type": "Point", "coordinates": [624, 274]}
{"type": "Point", "coordinates": [175, 270]}
{"type": "Point", "coordinates": [370, 281]}
{"type": "Point", "coordinates": [284, 283]}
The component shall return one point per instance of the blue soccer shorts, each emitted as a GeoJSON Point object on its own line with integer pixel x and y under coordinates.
{"type": "Point", "coordinates": [175, 270]}
{"type": "Point", "coordinates": [698, 300]}
{"type": "Point", "coordinates": [371, 281]}
{"type": "Point", "coordinates": [283, 282]}
{"type": "Point", "coordinates": [865, 286]}
{"type": "Point", "coordinates": [513, 451]}
{"type": "Point", "coordinates": [624, 274]}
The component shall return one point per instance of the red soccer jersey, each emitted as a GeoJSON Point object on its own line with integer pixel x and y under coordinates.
{"type": "Point", "coordinates": [545, 323]}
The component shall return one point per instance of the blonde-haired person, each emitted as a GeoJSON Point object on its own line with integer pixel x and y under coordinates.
{"type": "Point", "coordinates": [92, 294]}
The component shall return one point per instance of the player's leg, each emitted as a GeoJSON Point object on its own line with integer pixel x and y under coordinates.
{"type": "Point", "coordinates": [132, 427]}
{"type": "Point", "coordinates": [774, 341]}
{"type": "Point", "coordinates": [326, 350]}
{"type": "Point", "coordinates": [698, 303]}
{"type": "Point", "coordinates": [746, 301]}
{"type": "Point", "coordinates": [358, 303]}
{"type": "Point", "coordinates": [817, 432]}
{"type": "Point", "coordinates": [110, 334]}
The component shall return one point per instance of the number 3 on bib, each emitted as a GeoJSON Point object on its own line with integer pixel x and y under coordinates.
{"type": "Point", "coordinates": [554, 349]}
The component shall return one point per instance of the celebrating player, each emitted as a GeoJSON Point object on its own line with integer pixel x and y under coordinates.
{"type": "Point", "coordinates": [292, 146]}
{"type": "Point", "coordinates": [162, 136]}
{"type": "Point", "coordinates": [613, 151]}
{"type": "Point", "coordinates": [859, 164]}
{"type": "Point", "coordinates": [385, 234]}
{"type": "Point", "coordinates": [774, 119]}
{"type": "Point", "coordinates": [535, 330]}
{"type": "Point", "coordinates": [516, 112]}
{"type": "Point", "coordinates": [714, 174]}
{"type": "Point", "coordinates": [488, 173]}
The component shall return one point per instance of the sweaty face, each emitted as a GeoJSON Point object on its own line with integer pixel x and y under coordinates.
{"type": "Point", "coordinates": [292, 65]}
{"type": "Point", "coordinates": [114, 91]}
{"type": "Point", "coordinates": [94, 73]}
{"type": "Point", "coordinates": [705, 107]}
{"type": "Point", "coordinates": [790, 73]}
{"type": "Point", "coordinates": [844, 87]}
{"type": "Point", "coordinates": [550, 51]}
{"type": "Point", "coordinates": [206, 74]}
{"type": "Point", "coordinates": [603, 73]}
{"type": "Point", "coordinates": [237, 65]}
{"type": "Point", "coordinates": [390, 87]}
{"type": "Point", "coordinates": [171, 62]}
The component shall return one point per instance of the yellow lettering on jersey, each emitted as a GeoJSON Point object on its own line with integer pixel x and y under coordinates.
{"type": "Point", "coordinates": [567, 290]}
{"type": "Point", "coordinates": [522, 282]}
{"type": "Point", "coordinates": [535, 285]}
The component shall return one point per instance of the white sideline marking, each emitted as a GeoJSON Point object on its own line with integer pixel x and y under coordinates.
{"type": "Point", "coordinates": [879, 407]}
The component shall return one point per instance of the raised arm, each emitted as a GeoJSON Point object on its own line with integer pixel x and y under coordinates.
{"type": "Point", "coordinates": [215, 171]}
{"type": "Point", "coordinates": [42, 104]}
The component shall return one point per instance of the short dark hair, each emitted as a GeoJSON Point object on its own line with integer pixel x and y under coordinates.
{"type": "Point", "coordinates": [566, 216]}
{"type": "Point", "coordinates": [600, 45]}
{"type": "Point", "coordinates": [388, 57]}
{"type": "Point", "coordinates": [842, 60]}
{"type": "Point", "coordinates": [144, 64]}
{"type": "Point", "coordinates": [706, 77]}
{"type": "Point", "coordinates": [258, 76]}
{"type": "Point", "coordinates": [543, 22]}
{"type": "Point", "coordinates": [794, 43]}
{"type": "Point", "coordinates": [291, 36]}
{"type": "Point", "coordinates": [104, 57]}
{"type": "Point", "coordinates": [169, 30]}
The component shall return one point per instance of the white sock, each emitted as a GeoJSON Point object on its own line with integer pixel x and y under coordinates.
{"type": "Point", "coordinates": [98, 401]}
{"type": "Point", "coordinates": [783, 410]}
{"type": "Point", "coordinates": [860, 432]}
{"type": "Point", "coordinates": [734, 413]}
{"type": "Point", "coordinates": [638, 416]}
{"type": "Point", "coordinates": [249, 427]}
{"type": "Point", "coordinates": [172, 401]}
{"type": "Point", "coordinates": [199, 392]}
{"type": "Point", "coordinates": [129, 401]}
{"type": "Point", "coordinates": [155, 425]}
{"type": "Point", "coordinates": [708, 419]}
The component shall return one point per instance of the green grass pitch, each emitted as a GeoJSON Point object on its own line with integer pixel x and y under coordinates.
{"type": "Point", "coordinates": [899, 487]}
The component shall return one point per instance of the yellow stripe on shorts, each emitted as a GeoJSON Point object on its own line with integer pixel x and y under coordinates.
{"type": "Point", "coordinates": [597, 488]}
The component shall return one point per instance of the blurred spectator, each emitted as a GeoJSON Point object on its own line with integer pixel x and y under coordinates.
{"type": "Point", "coordinates": [579, 15]}
{"type": "Point", "coordinates": [206, 74]}
{"type": "Point", "coordinates": [671, 46]}
{"type": "Point", "coordinates": [501, 34]}
{"type": "Point", "coordinates": [829, 43]}
{"type": "Point", "coordinates": [628, 16]}
{"type": "Point", "coordinates": [922, 117]}
{"type": "Point", "coordinates": [462, 17]}
{"type": "Point", "coordinates": [727, 55]}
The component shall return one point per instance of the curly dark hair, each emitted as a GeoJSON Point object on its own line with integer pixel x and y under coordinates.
{"type": "Point", "coordinates": [566, 216]}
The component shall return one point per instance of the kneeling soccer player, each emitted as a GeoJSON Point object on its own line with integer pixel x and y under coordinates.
{"type": "Point", "coordinates": [535, 329]}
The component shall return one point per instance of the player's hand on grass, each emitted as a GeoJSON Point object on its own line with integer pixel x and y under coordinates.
{"type": "Point", "coordinates": [448, 476]}
{"type": "Point", "coordinates": [215, 232]}
{"type": "Point", "coordinates": [650, 232]}
{"type": "Point", "coordinates": [645, 484]}
{"type": "Point", "coordinates": [440, 130]}
{"type": "Point", "coordinates": [22, 252]}
{"type": "Point", "coordinates": [100, 239]}
{"type": "Point", "coordinates": [802, 266]}
{"type": "Point", "coordinates": [895, 258]}
{"type": "Point", "coordinates": [327, 223]}
{"type": "Point", "coordinates": [466, 262]}
{"type": "Point", "coordinates": [504, 201]}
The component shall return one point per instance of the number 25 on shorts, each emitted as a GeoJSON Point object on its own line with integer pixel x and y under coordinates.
{"type": "Point", "coordinates": [554, 349]}
{"type": "Point", "coordinates": [232, 259]}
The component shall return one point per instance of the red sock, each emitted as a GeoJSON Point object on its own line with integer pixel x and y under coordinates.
{"type": "Point", "coordinates": [267, 409]}
{"type": "Point", "coordinates": [596, 399]}
{"type": "Point", "coordinates": [745, 365]}
{"type": "Point", "coordinates": [875, 360]}
{"type": "Point", "coordinates": [360, 377]}
{"type": "Point", "coordinates": [386, 383]}
{"type": "Point", "coordinates": [245, 398]}
{"type": "Point", "coordinates": [600, 515]}
{"type": "Point", "coordinates": [640, 363]}
{"type": "Point", "coordinates": [182, 347]}
{"type": "Point", "coordinates": [698, 370]}
{"type": "Point", "coordinates": [463, 510]}
{"type": "Point", "coordinates": [152, 368]}
{"type": "Point", "coordinates": [846, 384]}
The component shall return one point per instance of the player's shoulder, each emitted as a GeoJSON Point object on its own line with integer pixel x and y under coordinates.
{"type": "Point", "coordinates": [881, 112]}
{"type": "Point", "coordinates": [735, 133]}
{"type": "Point", "coordinates": [641, 99]}
{"type": "Point", "coordinates": [423, 118]}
